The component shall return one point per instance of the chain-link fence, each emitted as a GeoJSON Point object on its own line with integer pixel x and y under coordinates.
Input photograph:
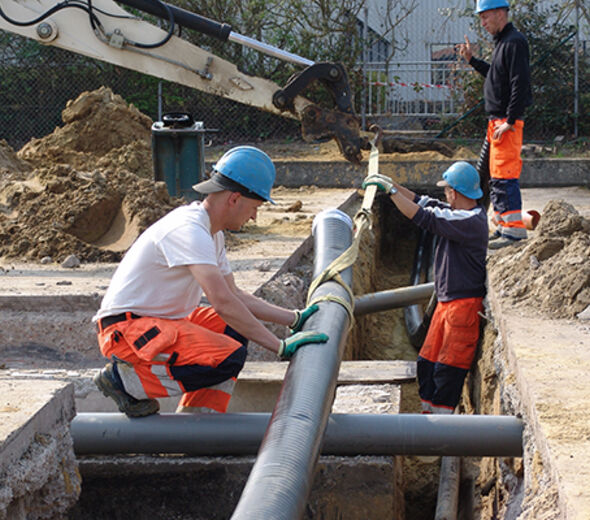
{"type": "Point", "coordinates": [37, 81]}
{"type": "Point", "coordinates": [432, 98]}
{"type": "Point", "coordinates": [444, 98]}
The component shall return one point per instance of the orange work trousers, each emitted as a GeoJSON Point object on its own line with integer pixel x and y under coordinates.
{"type": "Point", "coordinates": [447, 353]}
{"type": "Point", "coordinates": [505, 167]}
{"type": "Point", "coordinates": [199, 356]}
{"type": "Point", "coordinates": [505, 160]}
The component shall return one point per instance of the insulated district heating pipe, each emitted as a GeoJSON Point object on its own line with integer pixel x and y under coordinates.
{"type": "Point", "coordinates": [346, 434]}
{"type": "Point", "coordinates": [392, 299]}
{"type": "Point", "coordinates": [280, 481]}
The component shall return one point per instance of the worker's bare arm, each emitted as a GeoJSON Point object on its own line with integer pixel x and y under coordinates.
{"type": "Point", "coordinates": [402, 190]}
{"type": "Point", "coordinates": [405, 204]}
{"type": "Point", "coordinates": [231, 308]}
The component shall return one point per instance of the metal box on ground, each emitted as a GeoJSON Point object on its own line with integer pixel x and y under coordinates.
{"type": "Point", "coordinates": [178, 152]}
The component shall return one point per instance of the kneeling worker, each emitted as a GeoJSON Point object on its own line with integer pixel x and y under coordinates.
{"type": "Point", "coordinates": [162, 342]}
{"type": "Point", "coordinates": [459, 279]}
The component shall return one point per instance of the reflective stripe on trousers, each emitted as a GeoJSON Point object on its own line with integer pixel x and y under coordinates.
{"type": "Point", "coordinates": [198, 356]}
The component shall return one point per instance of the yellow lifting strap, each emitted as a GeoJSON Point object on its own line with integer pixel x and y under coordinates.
{"type": "Point", "coordinates": [361, 220]}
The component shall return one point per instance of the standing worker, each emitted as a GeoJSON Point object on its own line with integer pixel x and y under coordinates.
{"type": "Point", "coordinates": [507, 92]}
{"type": "Point", "coordinates": [461, 226]}
{"type": "Point", "coordinates": [151, 323]}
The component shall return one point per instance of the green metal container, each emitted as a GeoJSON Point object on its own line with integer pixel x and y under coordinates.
{"type": "Point", "coordinates": [178, 153]}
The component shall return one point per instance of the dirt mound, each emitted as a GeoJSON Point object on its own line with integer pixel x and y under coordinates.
{"type": "Point", "coordinates": [85, 193]}
{"type": "Point", "coordinates": [9, 161]}
{"type": "Point", "coordinates": [551, 271]}
{"type": "Point", "coordinates": [100, 131]}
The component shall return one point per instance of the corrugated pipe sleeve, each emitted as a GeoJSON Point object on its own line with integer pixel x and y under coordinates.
{"type": "Point", "coordinates": [280, 481]}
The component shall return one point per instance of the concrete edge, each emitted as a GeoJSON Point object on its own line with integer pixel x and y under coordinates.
{"type": "Point", "coordinates": [528, 403]}
{"type": "Point", "coordinates": [58, 407]}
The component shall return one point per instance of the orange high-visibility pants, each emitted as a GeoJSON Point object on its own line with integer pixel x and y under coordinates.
{"type": "Point", "coordinates": [447, 353]}
{"type": "Point", "coordinates": [505, 168]}
{"type": "Point", "coordinates": [198, 356]}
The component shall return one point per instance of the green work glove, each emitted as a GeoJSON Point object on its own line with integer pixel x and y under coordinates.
{"type": "Point", "coordinates": [301, 316]}
{"type": "Point", "coordinates": [382, 182]}
{"type": "Point", "coordinates": [292, 343]}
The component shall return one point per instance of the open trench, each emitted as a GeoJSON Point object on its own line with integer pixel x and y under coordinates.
{"type": "Point", "coordinates": [175, 486]}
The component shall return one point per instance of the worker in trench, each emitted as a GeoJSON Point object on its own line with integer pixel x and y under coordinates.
{"type": "Point", "coordinates": [461, 226]}
{"type": "Point", "coordinates": [161, 339]}
{"type": "Point", "coordinates": [507, 93]}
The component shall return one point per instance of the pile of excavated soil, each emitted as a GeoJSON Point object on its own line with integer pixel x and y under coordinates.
{"type": "Point", "coordinates": [85, 189]}
{"type": "Point", "coordinates": [549, 272]}
{"type": "Point", "coordinates": [100, 132]}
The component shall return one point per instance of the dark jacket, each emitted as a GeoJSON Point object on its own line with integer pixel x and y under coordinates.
{"type": "Point", "coordinates": [460, 256]}
{"type": "Point", "coordinates": [507, 87]}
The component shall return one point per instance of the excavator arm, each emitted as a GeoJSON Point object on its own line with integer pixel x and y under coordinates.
{"type": "Point", "coordinates": [101, 29]}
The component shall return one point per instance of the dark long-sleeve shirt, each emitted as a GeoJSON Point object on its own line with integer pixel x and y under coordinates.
{"type": "Point", "coordinates": [460, 256]}
{"type": "Point", "coordinates": [507, 86]}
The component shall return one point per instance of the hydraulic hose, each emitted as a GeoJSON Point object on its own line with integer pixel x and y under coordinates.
{"type": "Point", "coordinates": [182, 17]}
{"type": "Point", "coordinates": [417, 321]}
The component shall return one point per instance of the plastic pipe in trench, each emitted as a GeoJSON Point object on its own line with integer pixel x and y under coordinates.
{"type": "Point", "coordinates": [346, 434]}
{"type": "Point", "coordinates": [392, 299]}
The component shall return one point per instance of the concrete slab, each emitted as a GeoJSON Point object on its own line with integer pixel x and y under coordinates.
{"type": "Point", "coordinates": [39, 475]}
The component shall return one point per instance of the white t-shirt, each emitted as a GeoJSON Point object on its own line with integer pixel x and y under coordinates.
{"type": "Point", "coordinates": [153, 279]}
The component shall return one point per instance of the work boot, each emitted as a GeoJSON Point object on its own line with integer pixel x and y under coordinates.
{"type": "Point", "coordinates": [110, 384]}
{"type": "Point", "coordinates": [503, 242]}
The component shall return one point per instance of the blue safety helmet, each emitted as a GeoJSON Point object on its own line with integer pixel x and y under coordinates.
{"type": "Point", "coordinates": [245, 166]}
{"type": "Point", "coordinates": [463, 177]}
{"type": "Point", "coordinates": [487, 5]}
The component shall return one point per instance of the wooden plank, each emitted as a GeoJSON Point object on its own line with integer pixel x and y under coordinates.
{"type": "Point", "coordinates": [351, 372]}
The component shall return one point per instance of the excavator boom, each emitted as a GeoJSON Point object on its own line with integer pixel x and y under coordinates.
{"type": "Point", "coordinates": [101, 29]}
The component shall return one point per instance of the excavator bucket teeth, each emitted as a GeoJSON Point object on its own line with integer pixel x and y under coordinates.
{"type": "Point", "coordinates": [319, 124]}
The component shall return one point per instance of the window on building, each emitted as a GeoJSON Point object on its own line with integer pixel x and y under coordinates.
{"type": "Point", "coordinates": [378, 48]}
{"type": "Point", "coordinates": [444, 60]}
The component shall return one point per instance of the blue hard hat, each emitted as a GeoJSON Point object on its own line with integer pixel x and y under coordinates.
{"type": "Point", "coordinates": [247, 166]}
{"type": "Point", "coordinates": [487, 5]}
{"type": "Point", "coordinates": [463, 177]}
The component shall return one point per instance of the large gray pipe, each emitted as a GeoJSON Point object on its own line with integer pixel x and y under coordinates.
{"type": "Point", "coordinates": [280, 480]}
{"type": "Point", "coordinates": [392, 299]}
{"type": "Point", "coordinates": [346, 434]}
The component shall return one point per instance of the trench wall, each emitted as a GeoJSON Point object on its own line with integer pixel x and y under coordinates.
{"type": "Point", "coordinates": [522, 488]}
